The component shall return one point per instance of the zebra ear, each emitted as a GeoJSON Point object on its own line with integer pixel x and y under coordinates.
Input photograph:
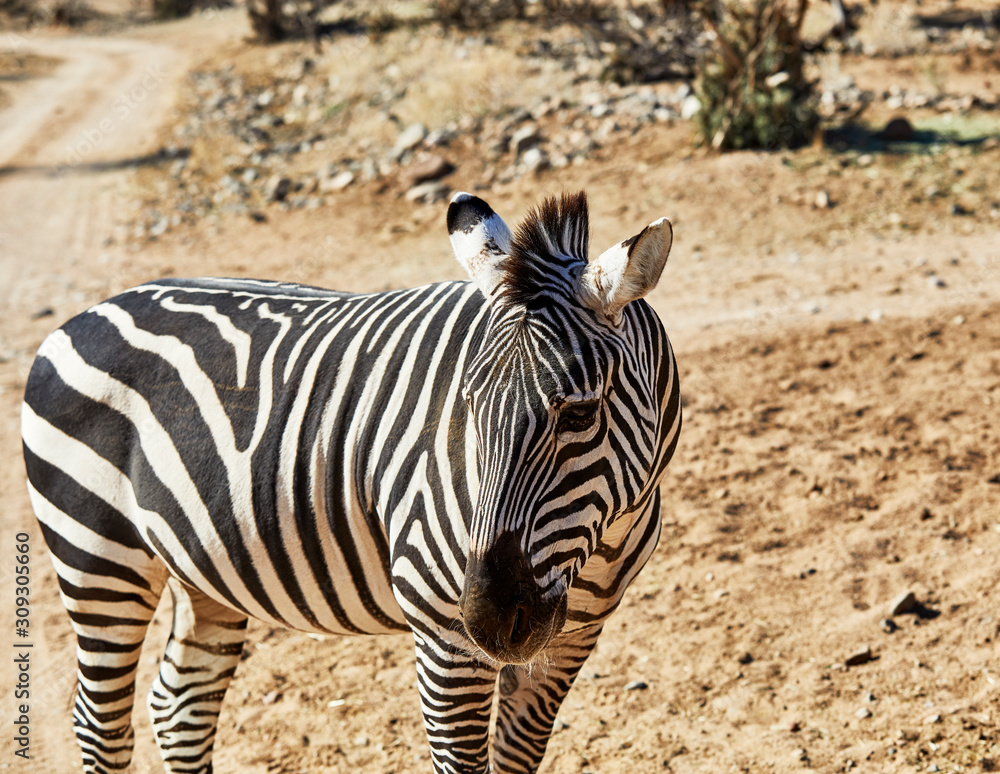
{"type": "Point", "coordinates": [626, 271]}
{"type": "Point", "coordinates": [480, 239]}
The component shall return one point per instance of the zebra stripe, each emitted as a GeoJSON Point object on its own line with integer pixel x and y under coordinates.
{"type": "Point", "coordinates": [474, 462]}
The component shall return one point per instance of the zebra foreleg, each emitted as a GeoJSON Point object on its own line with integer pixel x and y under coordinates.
{"type": "Point", "coordinates": [530, 698]}
{"type": "Point", "coordinates": [199, 662]}
{"type": "Point", "coordinates": [456, 695]}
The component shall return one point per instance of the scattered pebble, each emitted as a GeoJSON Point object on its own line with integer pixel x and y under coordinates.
{"type": "Point", "coordinates": [637, 685]}
{"type": "Point", "coordinates": [863, 713]}
{"type": "Point", "coordinates": [897, 130]}
{"type": "Point", "coordinates": [409, 139]}
{"type": "Point", "coordinates": [932, 719]}
{"type": "Point", "coordinates": [859, 657]}
{"type": "Point", "coordinates": [277, 188]}
{"type": "Point", "coordinates": [745, 659]}
{"type": "Point", "coordinates": [905, 603]}
{"type": "Point", "coordinates": [888, 625]}
{"type": "Point", "coordinates": [428, 193]}
{"type": "Point", "coordinates": [524, 138]}
{"type": "Point", "coordinates": [823, 201]}
{"type": "Point", "coordinates": [534, 159]}
{"type": "Point", "coordinates": [428, 167]}
{"type": "Point", "coordinates": [272, 697]}
{"type": "Point", "coordinates": [338, 182]}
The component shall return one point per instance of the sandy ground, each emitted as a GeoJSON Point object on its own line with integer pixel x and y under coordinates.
{"type": "Point", "coordinates": [840, 448]}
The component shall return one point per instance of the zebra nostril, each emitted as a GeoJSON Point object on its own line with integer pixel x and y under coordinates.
{"type": "Point", "coordinates": [520, 628]}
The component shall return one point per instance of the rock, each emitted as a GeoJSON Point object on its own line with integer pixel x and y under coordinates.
{"type": "Point", "coordinates": [897, 130]}
{"type": "Point", "coordinates": [361, 741]}
{"type": "Point", "coordinates": [257, 217]}
{"type": "Point", "coordinates": [823, 201]}
{"type": "Point", "coordinates": [903, 604]}
{"type": "Point", "coordinates": [934, 281]}
{"type": "Point", "coordinates": [932, 720]}
{"type": "Point", "coordinates": [410, 138]}
{"type": "Point", "coordinates": [876, 315]}
{"type": "Point", "coordinates": [637, 685]}
{"type": "Point", "coordinates": [439, 138]}
{"type": "Point", "coordinates": [337, 182]}
{"type": "Point", "coordinates": [559, 726]}
{"type": "Point", "coordinates": [429, 166]}
{"type": "Point", "coordinates": [300, 94]}
{"type": "Point", "coordinates": [47, 311]}
{"type": "Point", "coordinates": [859, 657]}
{"type": "Point", "coordinates": [745, 659]}
{"type": "Point", "coordinates": [277, 188]}
{"type": "Point", "coordinates": [600, 110]}
{"type": "Point", "coordinates": [690, 106]}
{"type": "Point", "coordinates": [870, 697]}
{"type": "Point", "coordinates": [957, 209]}
{"type": "Point", "coordinates": [863, 714]}
{"type": "Point", "coordinates": [524, 138]}
{"type": "Point", "coordinates": [535, 160]}
{"type": "Point", "coordinates": [272, 697]}
{"type": "Point", "coordinates": [428, 193]}
{"type": "Point", "coordinates": [888, 625]}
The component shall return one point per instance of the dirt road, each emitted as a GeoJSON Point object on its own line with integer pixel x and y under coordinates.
{"type": "Point", "coordinates": [68, 147]}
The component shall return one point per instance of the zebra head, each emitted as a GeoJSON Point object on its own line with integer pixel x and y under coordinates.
{"type": "Point", "coordinates": [568, 394]}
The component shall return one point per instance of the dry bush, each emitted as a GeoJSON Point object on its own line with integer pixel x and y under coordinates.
{"type": "Point", "coordinates": [477, 16]}
{"type": "Point", "coordinates": [173, 9]}
{"type": "Point", "coordinates": [752, 88]}
{"type": "Point", "coordinates": [274, 20]}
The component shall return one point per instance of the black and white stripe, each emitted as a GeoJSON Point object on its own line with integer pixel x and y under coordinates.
{"type": "Point", "coordinates": [474, 462]}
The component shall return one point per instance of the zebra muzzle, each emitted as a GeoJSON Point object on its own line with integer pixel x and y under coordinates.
{"type": "Point", "coordinates": [504, 609]}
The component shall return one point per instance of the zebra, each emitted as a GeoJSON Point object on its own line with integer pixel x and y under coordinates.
{"type": "Point", "coordinates": [475, 462]}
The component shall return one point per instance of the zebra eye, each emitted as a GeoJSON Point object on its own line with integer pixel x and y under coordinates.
{"type": "Point", "coordinates": [578, 416]}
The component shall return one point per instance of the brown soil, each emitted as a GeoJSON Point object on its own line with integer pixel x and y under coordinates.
{"type": "Point", "coordinates": [840, 370]}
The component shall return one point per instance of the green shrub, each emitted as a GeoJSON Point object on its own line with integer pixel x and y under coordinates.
{"type": "Point", "coordinates": [752, 89]}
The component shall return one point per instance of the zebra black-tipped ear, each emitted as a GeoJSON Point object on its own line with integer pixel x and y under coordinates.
{"type": "Point", "coordinates": [480, 239]}
{"type": "Point", "coordinates": [627, 271]}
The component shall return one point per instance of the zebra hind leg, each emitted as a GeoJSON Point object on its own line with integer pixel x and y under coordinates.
{"type": "Point", "coordinates": [108, 648]}
{"type": "Point", "coordinates": [199, 662]}
{"type": "Point", "coordinates": [110, 604]}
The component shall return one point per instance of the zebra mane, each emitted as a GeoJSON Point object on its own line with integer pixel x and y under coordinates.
{"type": "Point", "coordinates": [552, 238]}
